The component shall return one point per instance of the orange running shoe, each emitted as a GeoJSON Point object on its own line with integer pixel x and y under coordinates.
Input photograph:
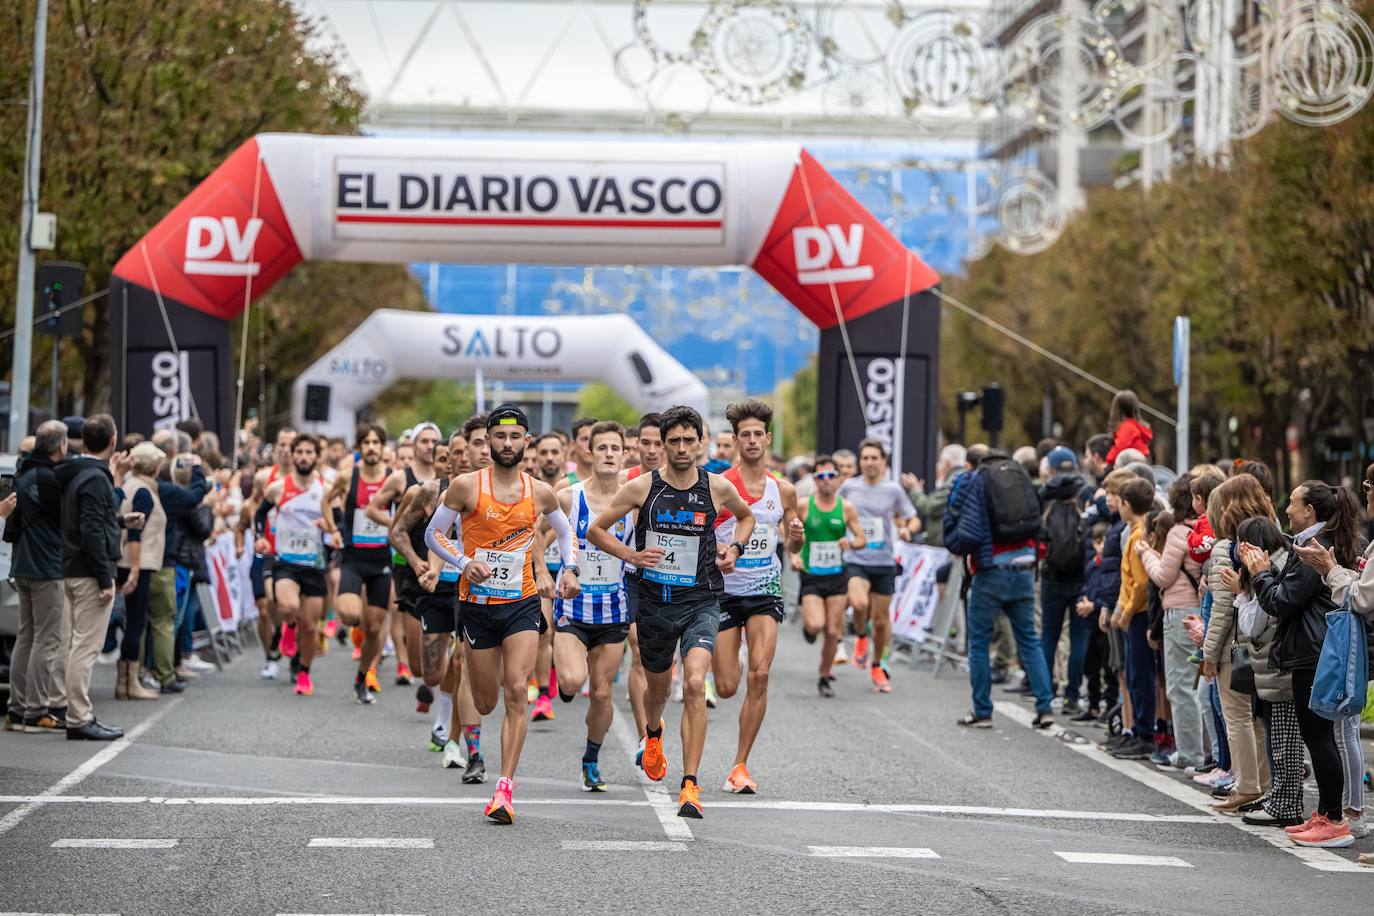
{"type": "Point", "coordinates": [689, 801]}
{"type": "Point", "coordinates": [373, 685]}
{"type": "Point", "coordinates": [860, 656]}
{"type": "Point", "coordinates": [304, 688]}
{"type": "Point", "coordinates": [739, 782]}
{"type": "Point", "coordinates": [501, 808]}
{"type": "Point", "coordinates": [655, 764]}
{"type": "Point", "coordinates": [880, 681]}
{"type": "Point", "coordinates": [402, 675]}
{"type": "Point", "coordinates": [356, 636]}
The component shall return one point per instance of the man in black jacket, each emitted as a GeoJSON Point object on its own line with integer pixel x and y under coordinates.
{"type": "Point", "coordinates": [38, 665]}
{"type": "Point", "coordinates": [90, 551]}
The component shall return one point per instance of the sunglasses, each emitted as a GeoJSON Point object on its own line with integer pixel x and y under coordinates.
{"type": "Point", "coordinates": [831, 475]}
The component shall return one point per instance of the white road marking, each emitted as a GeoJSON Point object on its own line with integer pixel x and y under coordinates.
{"type": "Point", "coordinates": [56, 914]}
{"type": "Point", "coordinates": [1118, 858]}
{"type": "Point", "coordinates": [369, 842]}
{"type": "Point", "coordinates": [664, 808]}
{"type": "Point", "coordinates": [76, 776]}
{"type": "Point", "coordinates": [339, 914]}
{"type": "Point", "coordinates": [111, 843]}
{"type": "Point", "coordinates": [873, 852]}
{"type": "Point", "coordinates": [1319, 859]}
{"type": "Point", "coordinates": [622, 846]}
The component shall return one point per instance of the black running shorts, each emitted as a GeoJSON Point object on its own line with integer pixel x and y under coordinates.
{"type": "Point", "coordinates": [592, 635]}
{"type": "Point", "coordinates": [310, 581]}
{"type": "Point", "coordinates": [370, 580]}
{"type": "Point", "coordinates": [255, 576]}
{"type": "Point", "coordinates": [661, 628]}
{"type": "Point", "coordinates": [882, 580]}
{"type": "Point", "coordinates": [735, 610]}
{"type": "Point", "coordinates": [824, 586]}
{"type": "Point", "coordinates": [407, 588]}
{"type": "Point", "coordinates": [438, 612]}
{"type": "Point", "coordinates": [486, 626]}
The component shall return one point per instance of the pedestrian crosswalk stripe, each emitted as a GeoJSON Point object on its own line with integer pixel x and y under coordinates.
{"type": "Point", "coordinates": [364, 842]}
{"type": "Point", "coordinates": [1117, 858]}
{"type": "Point", "coordinates": [112, 843]}
{"type": "Point", "coordinates": [622, 846]}
{"type": "Point", "coordinates": [873, 852]}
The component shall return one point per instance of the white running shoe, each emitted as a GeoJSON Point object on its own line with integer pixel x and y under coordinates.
{"type": "Point", "coordinates": [455, 758]}
{"type": "Point", "coordinates": [198, 664]}
{"type": "Point", "coordinates": [1358, 828]}
{"type": "Point", "coordinates": [108, 658]}
{"type": "Point", "coordinates": [389, 649]}
{"type": "Point", "coordinates": [841, 656]}
{"type": "Point", "coordinates": [270, 671]}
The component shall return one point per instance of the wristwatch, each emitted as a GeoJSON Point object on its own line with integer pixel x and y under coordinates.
{"type": "Point", "coordinates": [572, 568]}
{"type": "Point", "coordinates": [738, 545]}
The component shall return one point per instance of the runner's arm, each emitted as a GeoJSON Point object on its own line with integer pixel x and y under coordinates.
{"type": "Point", "coordinates": [410, 511]}
{"type": "Point", "coordinates": [906, 515]}
{"type": "Point", "coordinates": [857, 541]}
{"type": "Point", "coordinates": [792, 528]}
{"type": "Point", "coordinates": [727, 497]}
{"type": "Point", "coordinates": [378, 507]}
{"type": "Point", "coordinates": [550, 504]}
{"type": "Point", "coordinates": [445, 519]}
{"type": "Point", "coordinates": [627, 499]}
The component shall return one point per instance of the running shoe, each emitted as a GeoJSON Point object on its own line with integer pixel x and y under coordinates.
{"type": "Point", "coordinates": [654, 762]}
{"type": "Point", "coordinates": [861, 652]}
{"type": "Point", "coordinates": [639, 754]}
{"type": "Point", "coordinates": [303, 686]}
{"type": "Point", "coordinates": [389, 649]}
{"type": "Point", "coordinates": [287, 646]}
{"type": "Point", "coordinates": [423, 697]}
{"type": "Point", "coordinates": [438, 737]}
{"type": "Point", "coordinates": [1213, 778]}
{"type": "Point", "coordinates": [1303, 827]}
{"type": "Point", "coordinates": [739, 782]}
{"type": "Point", "coordinates": [841, 656]}
{"type": "Point", "coordinates": [1087, 715]}
{"type": "Point", "coordinates": [362, 694]}
{"type": "Point", "coordinates": [270, 671]}
{"type": "Point", "coordinates": [712, 698]}
{"type": "Point", "coordinates": [824, 688]}
{"type": "Point", "coordinates": [543, 709]}
{"type": "Point", "coordinates": [532, 690]}
{"type": "Point", "coordinates": [1324, 834]}
{"type": "Point", "coordinates": [501, 808]}
{"type": "Point", "coordinates": [591, 777]}
{"type": "Point", "coordinates": [331, 628]}
{"type": "Point", "coordinates": [373, 685]}
{"type": "Point", "coordinates": [972, 720]}
{"type": "Point", "coordinates": [357, 654]}
{"type": "Point", "coordinates": [689, 801]}
{"type": "Point", "coordinates": [880, 682]}
{"type": "Point", "coordinates": [402, 675]}
{"type": "Point", "coordinates": [323, 645]}
{"type": "Point", "coordinates": [453, 756]}
{"type": "Point", "coordinates": [476, 772]}
{"type": "Point", "coordinates": [355, 636]}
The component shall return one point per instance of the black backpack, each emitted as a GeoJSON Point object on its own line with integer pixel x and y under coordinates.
{"type": "Point", "coordinates": [1013, 504]}
{"type": "Point", "coordinates": [1063, 537]}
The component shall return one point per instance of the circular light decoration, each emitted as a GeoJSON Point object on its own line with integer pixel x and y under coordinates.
{"type": "Point", "coordinates": [1119, 17]}
{"type": "Point", "coordinates": [1064, 71]}
{"type": "Point", "coordinates": [843, 35]}
{"type": "Point", "coordinates": [1190, 72]}
{"type": "Point", "coordinates": [1322, 57]}
{"type": "Point", "coordinates": [1147, 110]}
{"type": "Point", "coordinates": [640, 19]}
{"type": "Point", "coordinates": [1028, 213]}
{"type": "Point", "coordinates": [753, 51]}
{"type": "Point", "coordinates": [678, 94]}
{"type": "Point", "coordinates": [939, 64]}
{"type": "Point", "coordinates": [1249, 98]}
{"type": "Point", "coordinates": [635, 65]}
{"type": "Point", "coordinates": [855, 94]}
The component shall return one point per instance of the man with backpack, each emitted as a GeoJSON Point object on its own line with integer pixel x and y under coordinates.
{"type": "Point", "coordinates": [1061, 579]}
{"type": "Point", "coordinates": [998, 525]}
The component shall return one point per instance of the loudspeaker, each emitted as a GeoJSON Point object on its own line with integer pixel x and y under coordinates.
{"type": "Point", "coordinates": [993, 400]}
{"type": "Point", "coordinates": [317, 403]}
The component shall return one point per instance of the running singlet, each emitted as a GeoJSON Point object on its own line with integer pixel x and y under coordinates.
{"type": "Point", "coordinates": [682, 523]}
{"type": "Point", "coordinates": [299, 541]}
{"type": "Point", "coordinates": [362, 537]}
{"type": "Point", "coordinates": [397, 557]}
{"type": "Point", "coordinates": [448, 574]}
{"type": "Point", "coordinates": [501, 535]}
{"type": "Point", "coordinates": [601, 576]}
{"type": "Point", "coordinates": [270, 529]}
{"type": "Point", "coordinates": [821, 554]}
{"type": "Point", "coordinates": [758, 571]}
{"type": "Point", "coordinates": [876, 503]}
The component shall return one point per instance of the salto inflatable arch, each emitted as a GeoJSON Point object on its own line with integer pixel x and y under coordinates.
{"type": "Point", "coordinates": [391, 345]}
{"type": "Point", "coordinates": [283, 198]}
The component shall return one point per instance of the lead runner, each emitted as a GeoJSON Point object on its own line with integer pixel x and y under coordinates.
{"type": "Point", "coordinates": [498, 610]}
{"type": "Point", "coordinates": [680, 584]}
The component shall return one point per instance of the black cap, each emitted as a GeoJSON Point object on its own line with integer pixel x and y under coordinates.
{"type": "Point", "coordinates": [75, 425]}
{"type": "Point", "coordinates": [507, 415]}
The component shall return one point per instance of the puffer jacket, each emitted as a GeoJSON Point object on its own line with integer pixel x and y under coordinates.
{"type": "Point", "coordinates": [1298, 597]}
{"type": "Point", "coordinates": [1174, 572]}
{"type": "Point", "coordinates": [1271, 684]}
{"type": "Point", "coordinates": [1221, 627]}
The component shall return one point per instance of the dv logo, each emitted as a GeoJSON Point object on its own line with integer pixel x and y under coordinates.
{"type": "Point", "coordinates": [206, 237]}
{"type": "Point", "coordinates": [815, 247]}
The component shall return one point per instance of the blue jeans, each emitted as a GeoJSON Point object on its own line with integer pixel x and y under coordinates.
{"type": "Point", "coordinates": [1140, 676]}
{"type": "Point", "coordinates": [188, 612]}
{"type": "Point", "coordinates": [1058, 598]}
{"type": "Point", "coordinates": [1010, 592]}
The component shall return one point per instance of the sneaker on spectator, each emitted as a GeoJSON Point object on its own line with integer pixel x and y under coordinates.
{"type": "Point", "coordinates": [1213, 778]}
{"type": "Point", "coordinates": [1263, 818]}
{"type": "Point", "coordinates": [1088, 714]}
{"type": "Point", "coordinates": [1303, 827]}
{"type": "Point", "coordinates": [1325, 834]}
{"type": "Point", "coordinates": [1358, 828]}
{"type": "Point", "coordinates": [108, 658]}
{"type": "Point", "coordinates": [198, 664]}
{"type": "Point", "coordinates": [1134, 749]}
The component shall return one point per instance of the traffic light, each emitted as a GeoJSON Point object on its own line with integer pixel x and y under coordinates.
{"type": "Point", "coordinates": [60, 283]}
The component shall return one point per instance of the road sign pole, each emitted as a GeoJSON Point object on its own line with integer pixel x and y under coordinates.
{"type": "Point", "coordinates": [1182, 371]}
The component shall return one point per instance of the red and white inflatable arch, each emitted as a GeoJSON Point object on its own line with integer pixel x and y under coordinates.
{"type": "Point", "coordinates": [283, 198]}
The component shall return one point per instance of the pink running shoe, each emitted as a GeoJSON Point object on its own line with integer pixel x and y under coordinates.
{"type": "Point", "coordinates": [287, 646]}
{"type": "Point", "coordinates": [304, 687]}
{"type": "Point", "coordinates": [501, 808]}
{"type": "Point", "coordinates": [331, 628]}
{"type": "Point", "coordinates": [1325, 834]}
{"type": "Point", "coordinates": [543, 709]}
{"type": "Point", "coordinates": [1303, 827]}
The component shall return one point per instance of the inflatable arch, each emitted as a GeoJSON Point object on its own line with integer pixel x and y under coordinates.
{"type": "Point", "coordinates": [283, 198]}
{"type": "Point", "coordinates": [391, 345]}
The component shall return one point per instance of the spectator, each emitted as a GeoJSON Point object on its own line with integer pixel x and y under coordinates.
{"type": "Point", "coordinates": [140, 558]}
{"type": "Point", "coordinates": [193, 428]}
{"type": "Point", "coordinates": [1061, 581]}
{"type": "Point", "coordinates": [1095, 464]}
{"type": "Point", "coordinates": [179, 504]}
{"type": "Point", "coordinates": [1026, 457]}
{"type": "Point", "coordinates": [1102, 686]}
{"type": "Point", "coordinates": [195, 526]}
{"type": "Point", "coordinates": [1136, 498]}
{"type": "Point", "coordinates": [1128, 431]}
{"type": "Point", "coordinates": [932, 506]}
{"type": "Point", "coordinates": [38, 663]}
{"type": "Point", "coordinates": [74, 425]}
{"type": "Point", "coordinates": [90, 550]}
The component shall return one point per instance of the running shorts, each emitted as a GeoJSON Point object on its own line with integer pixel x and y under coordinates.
{"type": "Point", "coordinates": [662, 627]}
{"type": "Point", "coordinates": [592, 635]}
{"type": "Point", "coordinates": [407, 588]}
{"type": "Point", "coordinates": [824, 586]}
{"type": "Point", "coordinates": [310, 581]}
{"type": "Point", "coordinates": [486, 626]}
{"type": "Point", "coordinates": [882, 580]}
{"type": "Point", "coordinates": [438, 612]}
{"type": "Point", "coordinates": [255, 576]}
{"type": "Point", "coordinates": [735, 610]}
{"type": "Point", "coordinates": [370, 580]}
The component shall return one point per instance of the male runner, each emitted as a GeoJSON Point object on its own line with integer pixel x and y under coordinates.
{"type": "Point", "coordinates": [479, 446]}
{"type": "Point", "coordinates": [494, 552]}
{"type": "Point", "coordinates": [680, 584]}
{"type": "Point", "coordinates": [271, 632]}
{"type": "Point", "coordinates": [365, 573]}
{"type": "Point", "coordinates": [847, 463]}
{"type": "Point", "coordinates": [872, 570]}
{"type": "Point", "coordinates": [405, 456]}
{"type": "Point", "coordinates": [631, 458]}
{"type": "Point", "coordinates": [826, 519]}
{"type": "Point", "coordinates": [548, 452]}
{"type": "Point", "coordinates": [752, 605]}
{"type": "Point", "coordinates": [581, 449]}
{"type": "Point", "coordinates": [459, 462]}
{"type": "Point", "coordinates": [592, 627]}
{"type": "Point", "coordinates": [650, 459]}
{"type": "Point", "coordinates": [298, 575]}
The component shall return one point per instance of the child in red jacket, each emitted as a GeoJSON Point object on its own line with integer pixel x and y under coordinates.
{"type": "Point", "coordinates": [1130, 432]}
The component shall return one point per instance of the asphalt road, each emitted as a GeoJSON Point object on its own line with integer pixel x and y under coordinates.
{"type": "Point", "coordinates": [238, 794]}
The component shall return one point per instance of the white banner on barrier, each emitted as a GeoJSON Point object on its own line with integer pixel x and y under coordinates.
{"type": "Point", "coordinates": [229, 583]}
{"type": "Point", "coordinates": [916, 595]}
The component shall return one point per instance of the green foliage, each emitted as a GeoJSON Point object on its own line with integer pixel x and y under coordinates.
{"type": "Point", "coordinates": [798, 397]}
{"type": "Point", "coordinates": [444, 402]}
{"type": "Point", "coordinates": [598, 400]}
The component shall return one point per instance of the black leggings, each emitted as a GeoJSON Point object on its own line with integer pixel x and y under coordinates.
{"type": "Point", "coordinates": [1102, 686]}
{"type": "Point", "coordinates": [135, 615]}
{"type": "Point", "coordinates": [1320, 737]}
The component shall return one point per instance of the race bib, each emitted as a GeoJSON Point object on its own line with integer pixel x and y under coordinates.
{"type": "Point", "coordinates": [759, 552]}
{"type": "Point", "coordinates": [507, 578]}
{"type": "Point", "coordinates": [552, 558]}
{"type": "Point", "coordinates": [599, 572]}
{"type": "Point", "coordinates": [366, 532]}
{"type": "Point", "coordinates": [875, 532]}
{"type": "Point", "coordinates": [449, 573]}
{"type": "Point", "coordinates": [678, 565]}
{"type": "Point", "coordinates": [823, 558]}
{"type": "Point", "coordinates": [299, 546]}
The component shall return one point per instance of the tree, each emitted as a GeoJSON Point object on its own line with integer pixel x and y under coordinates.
{"type": "Point", "coordinates": [798, 397]}
{"type": "Point", "coordinates": [598, 400]}
{"type": "Point", "coordinates": [408, 403]}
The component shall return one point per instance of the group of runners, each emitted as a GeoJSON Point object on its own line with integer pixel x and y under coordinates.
{"type": "Point", "coordinates": [515, 573]}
